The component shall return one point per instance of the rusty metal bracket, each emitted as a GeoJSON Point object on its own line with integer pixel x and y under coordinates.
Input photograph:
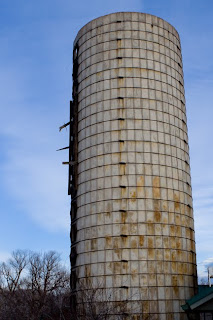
{"type": "Point", "coordinates": [64, 126]}
{"type": "Point", "coordinates": [63, 148]}
{"type": "Point", "coordinates": [71, 163]}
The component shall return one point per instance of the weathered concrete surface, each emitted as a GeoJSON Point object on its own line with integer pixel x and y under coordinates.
{"type": "Point", "coordinates": [135, 230]}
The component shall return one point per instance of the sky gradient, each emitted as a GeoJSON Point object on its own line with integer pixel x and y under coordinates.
{"type": "Point", "coordinates": [36, 39]}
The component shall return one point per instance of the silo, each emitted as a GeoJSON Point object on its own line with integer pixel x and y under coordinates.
{"type": "Point", "coordinates": [132, 229]}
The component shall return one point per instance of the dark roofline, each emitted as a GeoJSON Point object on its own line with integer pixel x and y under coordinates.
{"type": "Point", "coordinates": [205, 293]}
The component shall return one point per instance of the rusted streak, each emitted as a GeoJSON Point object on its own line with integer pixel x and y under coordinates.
{"type": "Point", "coordinates": [108, 242]}
{"type": "Point", "coordinates": [156, 187]}
{"type": "Point", "coordinates": [121, 146]}
{"type": "Point", "coordinates": [124, 266]}
{"type": "Point", "coordinates": [151, 253]}
{"type": "Point", "coordinates": [157, 216]}
{"type": "Point", "coordinates": [119, 43]}
{"type": "Point", "coordinates": [124, 229]}
{"type": "Point", "coordinates": [140, 186]}
{"type": "Point", "coordinates": [123, 217]}
{"type": "Point", "coordinates": [164, 205]}
{"type": "Point", "coordinates": [156, 205]}
{"type": "Point", "coordinates": [133, 194]}
{"type": "Point", "coordinates": [87, 271]}
{"type": "Point", "coordinates": [116, 243]}
{"type": "Point", "coordinates": [151, 229]}
{"type": "Point", "coordinates": [175, 285]}
{"type": "Point", "coordinates": [124, 241]}
{"type": "Point", "coordinates": [134, 244]}
{"type": "Point", "coordinates": [121, 82]}
{"type": "Point", "coordinates": [123, 192]}
{"type": "Point", "coordinates": [172, 230]}
{"type": "Point", "coordinates": [117, 267]}
{"type": "Point", "coordinates": [177, 202]}
{"type": "Point", "coordinates": [141, 241]}
{"type": "Point", "coordinates": [93, 244]}
{"type": "Point", "coordinates": [150, 242]}
{"type": "Point", "coordinates": [167, 254]}
{"type": "Point", "coordinates": [118, 253]}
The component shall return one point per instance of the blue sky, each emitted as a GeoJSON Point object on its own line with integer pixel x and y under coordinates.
{"type": "Point", "coordinates": [36, 40]}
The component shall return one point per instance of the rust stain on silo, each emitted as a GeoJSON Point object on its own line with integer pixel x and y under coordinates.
{"type": "Point", "coordinates": [156, 204]}
{"type": "Point", "coordinates": [93, 244]}
{"type": "Point", "coordinates": [150, 242]}
{"type": "Point", "coordinates": [164, 205]}
{"type": "Point", "coordinates": [122, 169]}
{"type": "Point", "coordinates": [178, 231]}
{"type": "Point", "coordinates": [134, 244]}
{"type": "Point", "coordinates": [180, 268]}
{"type": "Point", "coordinates": [121, 146]}
{"type": "Point", "coordinates": [123, 192]}
{"type": "Point", "coordinates": [140, 186]}
{"type": "Point", "coordinates": [178, 243]}
{"type": "Point", "coordinates": [124, 241]}
{"type": "Point", "coordinates": [118, 253]}
{"type": "Point", "coordinates": [141, 241]}
{"type": "Point", "coordinates": [108, 242]}
{"type": "Point", "coordinates": [156, 187]}
{"type": "Point", "coordinates": [87, 271]}
{"type": "Point", "coordinates": [133, 196]}
{"type": "Point", "coordinates": [166, 243]}
{"type": "Point", "coordinates": [172, 230]}
{"type": "Point", "coordinates": [117, 267]}
{"type": "Point", "coordinates": [177, 201]}
{"type": "Point", "coordinates": [108, 214]}
{"type": "Point", "coordinates": [124, 229]}
{"type": "Point", "coordinates": [109, 206]}
{"type": "Point", "coordinates": [167, 254]}
{"type": "Point", "coordinates": [174, 267]}
{"type": "Point", "coordinates": [145, 306]}
{"type": "Point", "coordinates": [124, 216]}
{"type": "Point", "coordinates": [175, 285]}
{"type": "Point", "coordinates": [133, 228]}
{"type": "Point", "coordinates": [119, 42]}
{"type": "Point", "coordinates": [124, 267]}
{"type": "Point", "coordinates": [121, 82]}
{"type": "Point", "coordinates": [116, 243]}
{"type": "Point", "coordinates": [87, 245]}
{"type": "Point", "coordinates": [150, 229]}
{"type": "Point", "coordinates": [121, 124]}
{"type": "Point", "coordinates": [157, 216]}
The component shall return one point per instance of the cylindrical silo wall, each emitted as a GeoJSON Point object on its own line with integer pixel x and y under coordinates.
{"type": "Point", "coordinates": [134, 230]}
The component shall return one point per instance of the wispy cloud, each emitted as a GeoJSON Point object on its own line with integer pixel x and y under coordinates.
{"type": "Point", "coordinates": [203, 210]}
{"type": "Point", "coordinates": [31, 170]}
{"type": "Point", "coordinates": [4, 256]}
{"type": "Point", "coordinates": [203, 267]}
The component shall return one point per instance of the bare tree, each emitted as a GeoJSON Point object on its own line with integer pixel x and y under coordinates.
{"type": "Point", "coordinates": [11, 282]}
{"type": "Point", "coordinates": [47, 279]}
{"type": "Point", "coordinates": [34, 286]}
{"type": "Point", "coordinates": [11, 272]}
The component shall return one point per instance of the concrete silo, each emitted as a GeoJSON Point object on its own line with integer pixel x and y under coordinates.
{"type": "Point", "coordinates": [132, 229]}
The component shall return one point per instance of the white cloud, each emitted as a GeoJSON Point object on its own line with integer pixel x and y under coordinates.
{"type": "Point", "coordinates": [202, 267]}
{"type": "Point", "coordinates": [38, 184]}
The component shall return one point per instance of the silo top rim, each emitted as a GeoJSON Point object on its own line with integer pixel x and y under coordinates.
{"type": "Point", "coordinates": [142, 17]}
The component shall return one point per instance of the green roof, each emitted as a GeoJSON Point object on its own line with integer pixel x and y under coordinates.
{"type": "Point", "coordinates": [203, 292]}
